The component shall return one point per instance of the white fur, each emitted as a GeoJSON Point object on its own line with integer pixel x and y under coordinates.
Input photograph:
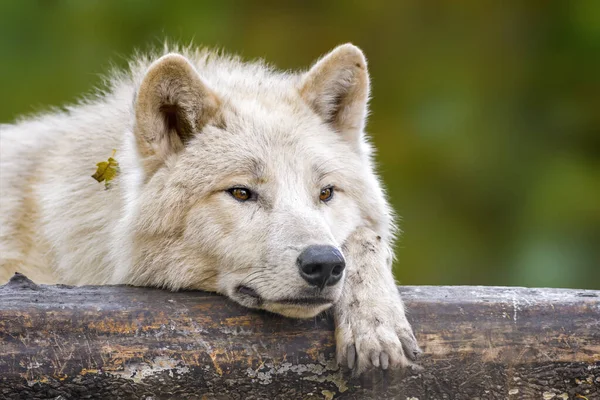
{"type": "Point", "coordinates": [167, 219]}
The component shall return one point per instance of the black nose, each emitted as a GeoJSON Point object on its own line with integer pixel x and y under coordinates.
{"type": "Point", "coordinates": [321, 265]}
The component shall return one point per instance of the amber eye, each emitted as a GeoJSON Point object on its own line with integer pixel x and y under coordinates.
{"type": "Point", "coordinates": [241, 194]}
{"type": "Point", "coordinates": [326, 194]}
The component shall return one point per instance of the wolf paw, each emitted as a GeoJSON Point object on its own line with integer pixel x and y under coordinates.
{"type": "Point", "coordinates": [380, 340]}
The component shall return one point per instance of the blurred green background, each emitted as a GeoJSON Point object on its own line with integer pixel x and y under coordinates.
{"type": "Point", "coordinates": [486, 114]}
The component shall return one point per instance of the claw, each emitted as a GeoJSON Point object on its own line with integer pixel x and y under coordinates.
{"type": "Point", "coordinates": [414, 368]}
{"type": "Point", "coordinates": [375, 360]}
{"type": "Point", "coordinates": [417, 354]}
{"type": "Point", "coordinates": [413, 354]}
{"type": "Point", "coordinates": [351, 356]}
{"type": "Point", "coordinates": [385, 360]}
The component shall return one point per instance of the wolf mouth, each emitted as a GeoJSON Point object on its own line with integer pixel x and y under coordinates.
{"type": "Point", "coordinates": [295, 301]}
{"type": "Point", "coordinates": [245, 290]}
{"type": "Point", "coordinates": [310, 301]}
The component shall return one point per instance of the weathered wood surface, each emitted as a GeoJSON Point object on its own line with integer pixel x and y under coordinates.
{"type": "Point", "coordinates": [111, 342]}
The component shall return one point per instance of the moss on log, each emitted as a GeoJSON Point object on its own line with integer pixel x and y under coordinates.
{"type": "Point", "coordinates": [118, 342]}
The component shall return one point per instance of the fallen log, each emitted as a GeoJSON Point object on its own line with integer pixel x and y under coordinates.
{"type": "Point", "coordinates": [119, 342]}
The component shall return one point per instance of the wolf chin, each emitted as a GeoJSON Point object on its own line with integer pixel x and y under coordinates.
{"type": "Point", "coordinates": [233, 178]}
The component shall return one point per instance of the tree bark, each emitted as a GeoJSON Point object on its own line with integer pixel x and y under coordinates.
{"type": "Point", "coordinates": [119, 342]}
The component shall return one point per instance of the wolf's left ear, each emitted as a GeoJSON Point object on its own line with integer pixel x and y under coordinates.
{"type": "Point", "coordinates": [173, 103]}
{"type": "Point", "coordinates": [337, 89]}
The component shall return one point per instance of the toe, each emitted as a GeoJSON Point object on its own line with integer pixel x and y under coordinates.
{"type": "Point", "coordinates": [409, 345]}
{"type": "Point", "coordinates": [411, 351]}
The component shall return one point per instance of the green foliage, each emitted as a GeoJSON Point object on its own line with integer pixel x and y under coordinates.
{"type": "Point", "coordinates": [486, 114]}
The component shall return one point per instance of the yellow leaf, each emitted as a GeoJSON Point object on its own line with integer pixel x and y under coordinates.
{"type": "Point", "coordinates": [107, 170]}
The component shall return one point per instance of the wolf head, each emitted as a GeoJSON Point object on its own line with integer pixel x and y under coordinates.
{"type": "Point", "coordinates": [252, 179]}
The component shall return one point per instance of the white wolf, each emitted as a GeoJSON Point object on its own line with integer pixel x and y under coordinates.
{"type": "Point", "coordinates": [233, 178]}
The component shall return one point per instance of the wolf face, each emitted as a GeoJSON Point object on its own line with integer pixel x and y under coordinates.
{"type": "Point", "coordinates": [251, 191]}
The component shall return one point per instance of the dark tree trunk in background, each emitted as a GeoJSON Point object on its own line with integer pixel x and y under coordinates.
{"type": "Point", "coordinates": [118, 342]}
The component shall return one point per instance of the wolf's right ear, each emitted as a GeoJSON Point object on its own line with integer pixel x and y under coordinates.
{"type": "Point", "coordinates": [337, 89]}
{"type": "Point", "coordinates": [173, 104]}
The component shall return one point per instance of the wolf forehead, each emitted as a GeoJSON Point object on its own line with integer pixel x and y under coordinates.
{"type": "Point", "coordinates": [235, 117]}
{"type": "Point", "coordinates": [267, 153]}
